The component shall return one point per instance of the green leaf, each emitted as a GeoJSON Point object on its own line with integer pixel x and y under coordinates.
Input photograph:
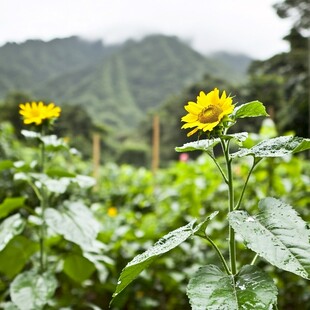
{"type": "Point", "coordinates": [250, 109]}
{"type": "Point", "coordinates": [142, 261]}
{"type": "Point", "coordinates": [276, 147]}
{"type": "Point", "coordinates": [59, 173]}
{"type": "Point", "coordinates": [53, 143]}
{"type": "Point", "coordinates": [212, 289]}
{"type": "Point", "coordinates": [75, 222]}
{"type": "Point", "coordinates": [277, 234]}
{"type": "Point", "coordinates": [30, 290]}
{"type": "Point", "coordinates": [58, 186]}
{"type": "Point", "coordinates": [10, 204]}
{"type": "Point", "coordinates": [8, 306]}
{"type": "Point", "coordinates": [84, 181]}
{"type": "Point", "coordinates": [9, 228]}
{"type": "Point", "coordinates": [6, 164]}
{"type": "Point", "coordinates": [209, 144]}
{"type": "Point", "coordinates": [78, 267]}
{"type": "Point", "coordinates": [239, 137]}
{"type": "Point", "coordinates": [30, 134]}
{"type": "Point", "coordinates": [201, 228]}
{"type": "Point", "coordinates": [16, 254]}
{"type": "Point", "coordinates": [100, 262]}
{"type": "Point", "coordinates": [201, 145]}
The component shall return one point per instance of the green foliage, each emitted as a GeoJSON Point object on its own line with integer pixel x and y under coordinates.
{"type": "Point", "coordinates": [131, 191]}
{"type": "Point", "coordinates": [9, 228]}
{"type": "Point", "coordinates": [297, 9]}
{"type": "Point", "coordinates": [20, 247]}
{"type": "Point", "coordinates": [78, 267]}
{"type": "Point", "coordinates": [46, 232]}
{"type": "Point", "coordinates": [282, 82]}
{"type": "Point", "coordinates": [26, 66]}
{"type": "Point", "coordinates": [276, 147]}
{"type": "Point", "coordinates": [251, 288]}
{"type": "Point", "coordinates": [30, 290]}
{"type": "Point", "coordinates": [87, 265]}
{"type": "Point", "coordinates": [134, 153]}
{"type": "Point", "coordinates": [10, 204]}
{"type": "Point", "coordinates": [9, 109]}
{"type": "Point", "coordinates": [201, 145]}
{"type": "Point", "coordinates": [276, 233]}
{"type": "Point", "coordinates": [75, 223]}
{"type": "Point", "coordinates": [250, 109]}
{"type": "Point", "coordinates": [208, 144]}
{"type": "Point", "coordinates": [142, 261]}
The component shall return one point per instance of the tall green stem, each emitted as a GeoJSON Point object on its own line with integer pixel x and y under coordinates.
{"type": "Point", "coordinates": [43, 207]}
{"type": "Point", "coordinates": [219, 254]}
{"type": "Point", "coordinates": [219, 168]}
{"type": "Point", "coordinates": [245, 184]}
{"type": "Point", "coordinates": [232, 242]}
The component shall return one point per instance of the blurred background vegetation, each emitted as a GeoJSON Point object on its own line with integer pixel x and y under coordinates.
{"type": "Point", "coordinates": [115, 91]}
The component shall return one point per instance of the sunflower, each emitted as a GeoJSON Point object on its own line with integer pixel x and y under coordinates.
{"type": "Point", "coordinates": [38, 112]}
{"type": "Point", "coordinates": [207, 112]}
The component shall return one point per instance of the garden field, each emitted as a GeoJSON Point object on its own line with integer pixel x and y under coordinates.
{"type": "Point", "coordinates": [66, 237]}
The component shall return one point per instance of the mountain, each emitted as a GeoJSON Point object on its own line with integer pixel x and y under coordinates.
{"type": "Point", "coordinates": [116, 84]}
{"type": "Point", "coordinates": [235, 65]}
{"type": "Point", "coordinates": [25, 66]}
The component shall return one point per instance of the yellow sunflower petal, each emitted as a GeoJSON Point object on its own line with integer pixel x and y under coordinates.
{"type": "Point", "coordinates": [193, 108]}
{"type": "Point", "coordinates": [34, 105]}
{"type": "Point", "coordinates": [190, 125]}
{"type": "Point", "coordinates": [192, 132]}
{"type": "Point", "coordinates": [223, 97]}
{"type": "Point", "coordinates": [210, 126]}
{"type": "Point", "coordinates": [202, 100]}
{"type": "Point", "coordinates": [189, 118]}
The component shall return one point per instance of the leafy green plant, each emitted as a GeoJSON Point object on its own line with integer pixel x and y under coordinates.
{"type": "Point", "coordinates": [275, 232]}
{"type": "Point", "coordinates": [48, 233]}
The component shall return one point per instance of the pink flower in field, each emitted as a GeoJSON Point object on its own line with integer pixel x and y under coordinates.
{"type": "Point", "coordinates": [184, 157]}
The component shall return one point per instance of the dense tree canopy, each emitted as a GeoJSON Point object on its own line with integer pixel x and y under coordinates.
{"type": "Point", "coordinates": [282, 82]}
{"type": "Point", "coordinates": [298, 10]}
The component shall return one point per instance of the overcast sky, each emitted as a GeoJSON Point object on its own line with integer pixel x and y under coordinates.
{"type": "Point", "coordinates": [247, 26]}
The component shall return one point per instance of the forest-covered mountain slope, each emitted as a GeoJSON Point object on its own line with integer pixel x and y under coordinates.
{"type": "Point", "coordinates": [117, 85]}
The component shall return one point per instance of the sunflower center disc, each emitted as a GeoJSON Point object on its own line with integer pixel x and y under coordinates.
{"type": "Point", "coordinates": [210, 114]}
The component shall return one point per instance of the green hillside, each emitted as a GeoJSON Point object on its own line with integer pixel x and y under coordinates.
{"type": "Point", "coordinates": [117, 85]}
{"type": "Point", "coordinates": [26, 66]}
{"type": "Point", "coordinates": [235, 65]}
{"type": "Point", "coordinates": [121, 88]}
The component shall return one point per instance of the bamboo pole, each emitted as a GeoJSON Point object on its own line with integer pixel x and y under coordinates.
{"type": "Point", "coordinates": [155, 142]}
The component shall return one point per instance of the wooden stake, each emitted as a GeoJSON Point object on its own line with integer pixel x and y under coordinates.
{"type": "Point", "coordinates": [271, 112]}
{"type": "Point", "coordinates": [155, 149]}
